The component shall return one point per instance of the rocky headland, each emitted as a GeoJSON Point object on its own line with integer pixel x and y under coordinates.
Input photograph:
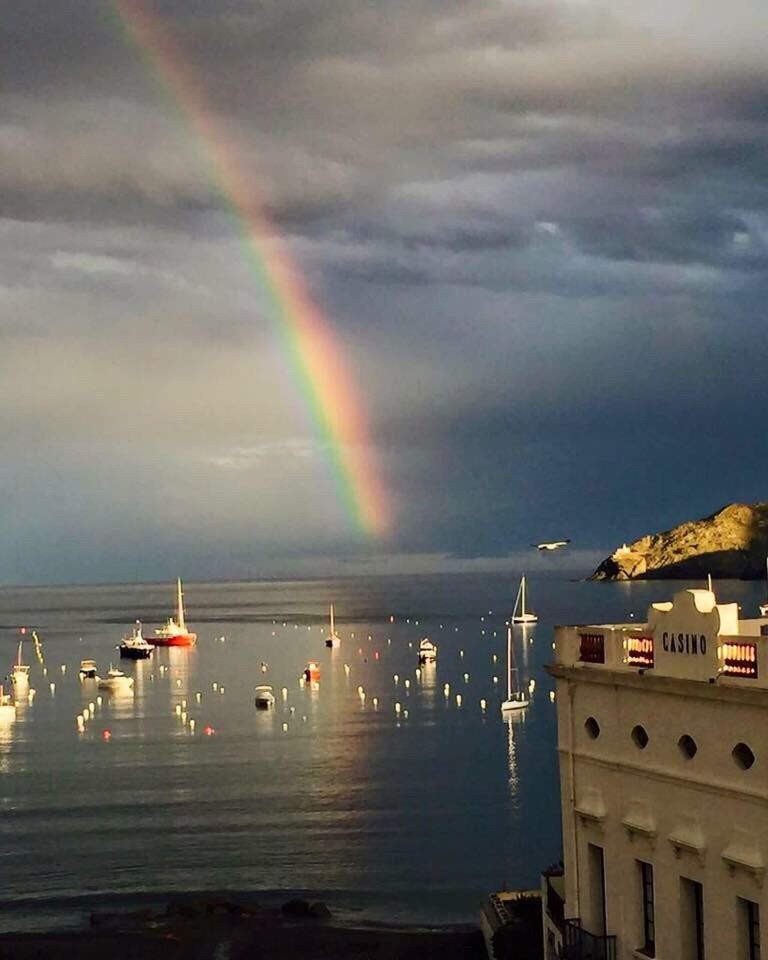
{"type": "Point", "coordinates": [732, 543]}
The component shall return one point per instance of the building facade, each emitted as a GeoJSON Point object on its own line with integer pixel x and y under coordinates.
{"type": "Point", "coordinates": [663, 746]}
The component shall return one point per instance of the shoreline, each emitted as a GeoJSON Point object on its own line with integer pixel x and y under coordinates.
{"type": "Point", "coordinates": [226, 929]}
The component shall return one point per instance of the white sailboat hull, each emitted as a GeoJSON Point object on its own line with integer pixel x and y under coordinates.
{"type": "Point", "coordinates": [509, 705]}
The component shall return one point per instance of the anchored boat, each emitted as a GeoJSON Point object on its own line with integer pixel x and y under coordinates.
{"type": "Point", "coordinates": [333, 640]}
{"type": "Point", "coordinates": [115, 681]}
{"type": "Point", "coordinates": [174, 633]}
{"type": "Point", "coordinates": [20, 676]}
{"type": "Point", "coordinates": [264, 698]}
{"type": "Point", "coordinates": [135, 646]}
{"type": "Point", "coordinates": [520, 614]}
{"type": "Point", "coordinates": [427, 651]}
{"type": "Point", "coordinates": [516, 699]}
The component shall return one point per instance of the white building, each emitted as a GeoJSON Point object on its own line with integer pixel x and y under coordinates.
{"type": "Point", "coordinates": [663, 743]}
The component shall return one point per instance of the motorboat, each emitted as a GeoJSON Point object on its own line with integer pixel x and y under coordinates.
{"type": "Point", "coordinates": [88, 670]}
{"type": "Point", "coordinates": [135, 646]}
{"type": "Point", "coordinates": [20, 676]}
{"type": "Point", "coordinates": [516, 699]}
{"type": "Point", "coordinates": [174, 632]}
{"type": "Point", "coordinates": [7, 707]}
{"type": "Point", "coordinates": [312, 671]}
{"type": "Point", "coordinates": [427, 651]}
{"type": "Point", "coordinates": [115, 681]}
{"type": "Point", "coordinates": [264, 698]}
{"type": "Point", "coordinates": [520, 614]}
{"type": "Point", "coordinates": [333, 640]}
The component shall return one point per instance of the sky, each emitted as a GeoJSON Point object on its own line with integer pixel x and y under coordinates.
{"type": "Point", "coordinates": [537, 230]}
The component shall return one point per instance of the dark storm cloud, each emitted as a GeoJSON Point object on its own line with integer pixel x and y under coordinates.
{"type": "Point", "coordinates": [540, 227]}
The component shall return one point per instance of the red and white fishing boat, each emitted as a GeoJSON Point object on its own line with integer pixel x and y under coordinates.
{"type": "Point", "coordinates": [174, 633]}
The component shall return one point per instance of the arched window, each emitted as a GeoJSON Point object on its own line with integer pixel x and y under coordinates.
{"type": "Point", "coordinates": [687, 746]}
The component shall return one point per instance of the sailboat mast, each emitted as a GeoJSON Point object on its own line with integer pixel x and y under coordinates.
{"type": "Point", "coordinates": [333, 628]}
{"type": "Point", "coordinates": [180, 605]}
{"type": "Point", "coordinates": [509, 662]}
{"type": "Point", "coordinates": [522, 598]}
{"type": "Point", "coordinates": [18, 655]}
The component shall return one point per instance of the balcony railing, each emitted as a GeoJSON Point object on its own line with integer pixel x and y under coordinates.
{"type": "Point", "coordinates": [580, 944]}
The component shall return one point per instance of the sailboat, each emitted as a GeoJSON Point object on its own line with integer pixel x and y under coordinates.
{"type": "Point", "coordinates": [20, 676]}
{"type": "Point", "coordinates": [516, 699]}
{"type": "Point", "coordinates": [333, 640]}
{"type": "Point", "coordinates": [519, 614]}
{"type": "Point", "coordinates": [174, 633]}
{"type": "Point", "coordinates": [764, 606]}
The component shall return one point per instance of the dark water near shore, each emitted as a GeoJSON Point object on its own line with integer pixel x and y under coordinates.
{"type": "Point", "coordinates": [410, 819]}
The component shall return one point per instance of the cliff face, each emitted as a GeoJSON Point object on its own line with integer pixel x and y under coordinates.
{"type": "Point", "coordinates": [730, 543]}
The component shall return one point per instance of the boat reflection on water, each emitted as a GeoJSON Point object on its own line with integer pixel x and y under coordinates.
{"type": "Point", "coordinates": [514, 723]}
{"type": "Point", "coordinates": [428, 684]}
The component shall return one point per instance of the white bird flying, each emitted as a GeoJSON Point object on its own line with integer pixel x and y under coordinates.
{"type": "Point", "coordinates": [552, 545]}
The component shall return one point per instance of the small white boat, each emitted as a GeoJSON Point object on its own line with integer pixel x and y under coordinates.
{"type": "Point", "coordinates": [20, 676]}
{"type": "Point", "coordinates": [427, 651]}
{"type": "Point", "coordinates": [7, 707]}
{"type": "Point", "coordinates": [516, 699]}
{"type": "Point", "coordinates": [264, 698]}
{"type": "Point", "coordinates": [88, 670]}
{"type": "Point", "coordinates": [520, 614]}
{"type": "Point", "coordinates": [333, 640]}
{"type": "Point", "coordinates": [115, 681]}
{"type": "Point", "coordinates": [135, 646]}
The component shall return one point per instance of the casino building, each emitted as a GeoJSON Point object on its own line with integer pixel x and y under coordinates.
{"type": "Point", "coordinates": [663, 746]}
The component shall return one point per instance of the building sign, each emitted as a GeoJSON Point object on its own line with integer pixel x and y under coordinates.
{"type": "Point", "coordinates": [691, 644]}
{"type": "Point", "coordinates": [738, 660]}
{"type": "Point", "coordinates": [592, 648]}
{"type": "Point", "coordinates": [639, 651]}
{"type": "Point", "coordinates": [685, 634]}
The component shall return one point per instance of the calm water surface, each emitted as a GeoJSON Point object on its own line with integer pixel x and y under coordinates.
{"type": "Point", "coordinates": [409, 819]}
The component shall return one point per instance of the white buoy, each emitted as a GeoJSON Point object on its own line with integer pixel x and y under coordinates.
{"type": "Point", "coordinates": [466, 678]}
{"type": "Point", "coordinates": [407, 684]}
{"type": "Point", "coordinates": [495, 679]}
{"type": "Point", "coordinates": [178, 709]}
{"type": "Point", "coordinates": [494, 658]}
{"type": "Point", "coordinates": [199, 697]}
{"type": "Point", "coordinates": [183, 716]}
{"type": "Point", "coordinates": [284, 692]}
{"type": "Point", "coordinates": [447, 689]}
{"type": "Point", "coordinates": [532, 685]}
{"type": "Point", "coordinates": [192, 726]}
{"type": "Point", "coordinates": [183, 704]}
{"type": "Point", "coordinates": [63, 668]}
{"type": "Point", "coordinates": [178, 682]}
{"type": "Point", "coordinates": [91, 706]}
{"type": "Point", "coordinates": [551, 696]}
{"type": "Point", "coordinates": [396, 678]}
{"type": "Point", "coordinates": [99, 700]}
{"type": "Point", "coordinates": [375, 702]}
{"type": "Point", "coordinates": [418, 672]}
{"type": "Point", "coordinates": [302, 680]}
{"type": "Point", "coordinates": [361, 691]}
{"type": "Point", "coordinates": [410, 644]}
{"type": "Point", "coordinates": [31, 694]}
{"type": "Point", "coordinates": [292, 710]}
{"type": "Point", "coordinates": [285, 728]}
{"type": "Point", "coordinates": [53, 688]}
{"type": "Point", "coordinates": [483, 704]}
{"type": "Point", "coordinates": [405, 714]}
{"type": "Point", "coordinates": [389, 641]}
{"type": "Point", "coordinates": [458, 699]}
{"type": "Point", "coordinates": [303, 718]}
{"type": "Point", "coordinates": [398, 708]}
{"type": "Point", "coordinates": [85, 713]}
{"type": "Point", "coordinates": [214, 685]}
{"type": "Point", "coordinates": [461, 653]}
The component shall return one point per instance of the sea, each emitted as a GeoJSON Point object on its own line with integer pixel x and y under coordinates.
{"type": "Point", "coordinates": [396, 794]}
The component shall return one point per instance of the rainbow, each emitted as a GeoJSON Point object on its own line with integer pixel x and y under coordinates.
{"type": "Point", "coordinates": [313, 350]}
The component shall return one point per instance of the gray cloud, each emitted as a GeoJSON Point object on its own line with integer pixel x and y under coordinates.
{"type": "Point", "coordinates": [539, 229]}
